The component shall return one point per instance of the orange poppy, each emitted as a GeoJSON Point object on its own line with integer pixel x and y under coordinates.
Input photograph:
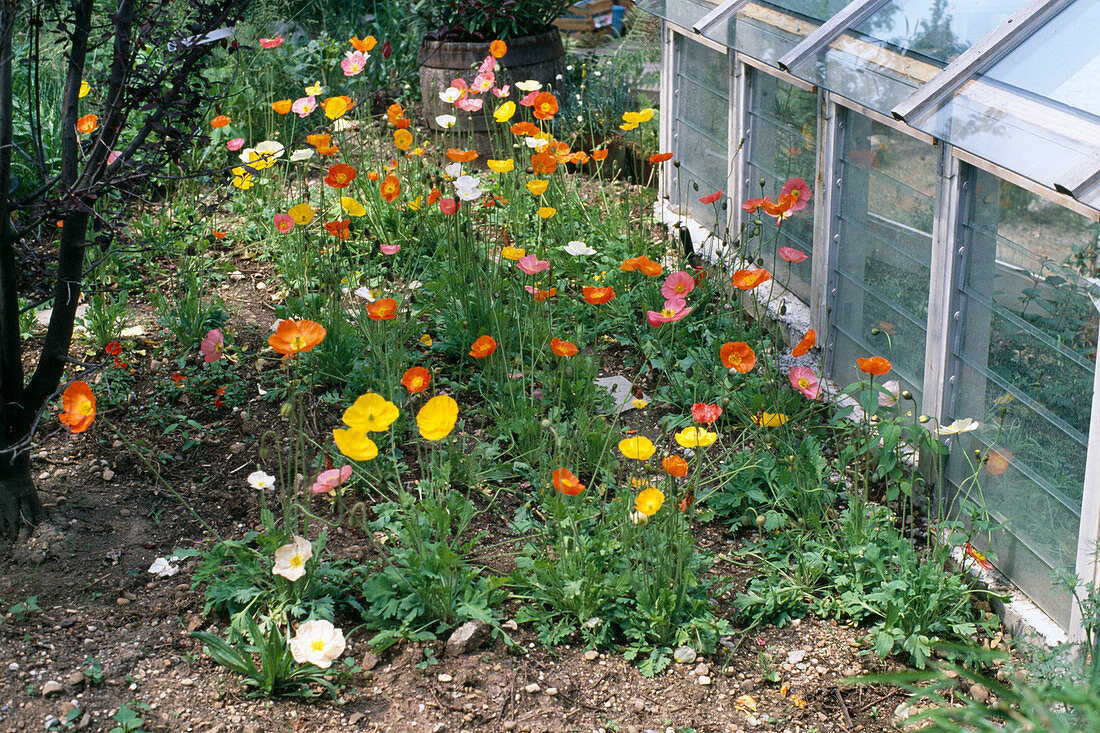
{"type": "Point", "coordinates": [323, 144]}
{"type": "Point", "coordinates": [340, 175]}
{"type": "Point", "coordinates": [998, 461]}
{"type": "Point", "coordinates": [563, 348]}
{"type": "Point", "coordinates": [484, 346]}
{"type": "Point", "coordinates": [805, 344]}
{"type": "Point", "coordinates": [541, 295]}
{"type": "Point", "coordinates": [292, 337]}
{"type": "Point", "coordinates": [340, 228]}
{"type": "Point", "coordinates": [372, 176]}
{"type": "Point", "coordinates": [644, 264]}
{"type": "Point", "coordinates": [780, 207]}
{"type": "Point", "coordinates": [282, 107]}
{"type": "Point", "coordinates": [598, 296]}
{"type": "Point", "coordinates": [88, 123]}
{"type": "Point", "coordinates": [391, 188]}
{"type": "Point", "coordinates": [220, 121]}
{"type": "Point", "coordinates": [218, 235]}
{"type": "Point", "coordinates": [524, 128]}
{"type": "Point", "coordinates": [416, 379]}
{"type": "Point", "coordinates": [461, 156]}
{"type": "Point", "coordinates": [566, 482]}
{"type": "Point", "coordinates": [675, 466]}
{"type": "Point", "coordinates": [383, 309]}
{"type": "Point", "coordinates": [876, 365]}
{"type": "Point", "coordinates": [688, 500]}
{"type": "Point", "coordinates": [544, 163]}
{"type": "Point", "coordinates": [545, 106]}
{"type": "Point", "coordinates": [403, 139]}
{"type": "Point", "coordinates": [497, 49]}
{"type": "Point", "coordinates": [394, 112]}
{"type": "Point", "coordinates": [434, 196]}
{"type": "Point", "coordinates": [657, 158]}
{"type": "Point", "coordinates": [599, 154]}
{"type": "Point", "coordinates": [737, 355]}
{"type": "Point", "coordinates": [78, 407]}
{"type": "Point", "coordinates": [365, 45]}
{"type": "Point", "coordinates": [749, 279]}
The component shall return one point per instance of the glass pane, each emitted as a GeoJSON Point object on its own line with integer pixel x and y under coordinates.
{"type": "Point", "coordinates": [762, 32]}
{"type": "Point", "coordinates": [700, 137]}
{"type": "Point", "coordinates": [1036, 112]}
{"type": "Point", "coordinates": [883, 251]}
{"type": "Point", "coordinates": [684, 13]}
{"type": "Point", "coordinates": [819, 10]}
{"type": "Point", "coordinates": [782, 131]}
{"type": "Point", "coordinates": [1024, 357]}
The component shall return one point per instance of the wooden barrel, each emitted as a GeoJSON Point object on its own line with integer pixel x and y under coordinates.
{"type": "Point", "coordinates": [533, 57]}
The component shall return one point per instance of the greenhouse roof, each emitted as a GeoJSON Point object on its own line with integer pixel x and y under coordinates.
{"type": "Point", "coordinates": [1016, 82]}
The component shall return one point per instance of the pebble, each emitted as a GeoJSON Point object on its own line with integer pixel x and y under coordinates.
{"type": "Point", "coordinates": [52, 687]}
{"type": "Point", "coordinates": [187, 682]}
{"type": "Point", "coordinates": [979, 693]}
{"type": "Point", "coordinates": [76, 679]}
{"type": "Point", "coordinates": [532, 688]}
{"type": "Point", "coordinates": [444, 677]}
{"type": "Point", "coordinates": [108, 474]}
{"type": "Point", "coordinates": [591, 655]}
{"type": "Point", "coordinates": [509, 725]}
{"type": "Point", "coordinates": [551, 691]}
{"type": "Point", "coordinates": [702, 670]}
{"type": "Point", "coordinates": [704, 680]}
{"type": "Point", "coordinates": [510, 624]}
{"type": "Point", "coordinates": [122, 601]}
{"type": "Point", "coordinates": [796, 656]}
{"type": "Point", "coordinates": [354, 718]}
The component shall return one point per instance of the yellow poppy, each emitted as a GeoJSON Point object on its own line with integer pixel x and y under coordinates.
{"type": "Point", "coordinates": [352, 207]}
{"type": "Point", "coordinates": [355, 445]}
{"type": "Point", "coordinates": [84, 89]}
{"type": "Point", "coordinates": [314, 89]}
{"type": "Point", "coordinates": [501, 166]}
{"type": "Point", "coordinates": [504, 112]}
{"type": "Point", "coordinates": [769, 419]}
{"type": "Point", "coordinates": [242, 179]}
{"type": "Point", "coordinates": [695, 437]}
{"type": "Point", "coordinates": [546, 211]}
{"type": "Point", "coordinates": [437, 417]}
{"type": "Point", "coordinates": [649, 501]}
{"type": "Point", "coordinates": [537, 187]}
{"type": "Point", "coordinates": [638, 448]}
{"type": "Point", "coordinates": [512, 253]}
{"type": "Point", "coordinates": [371, 413]}
{"type": "Point", "coordinates": [302, 214]}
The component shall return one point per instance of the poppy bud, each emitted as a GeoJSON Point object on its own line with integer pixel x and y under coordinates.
{"type": "Point", "coordinates": [923, 419]}
{"type": "Point", "coordinates": [695, 185]}
{"type": "Point", "coordinates": [545, 422]}
{"type": "Point", "coordinates": [387, 50]}
{"type": "Point", "coordinates": [875, 332]}
{"type": "Point", "coordinates": [675, 164]}
{"type": "Point", "coordinates": [265, 452]}
{"type": "Point", "coordinates": [907, 395]}
{"type": "Point", "coordinates": [530, 171]}
{"type": "Point", "coordinates": [782, 309]}
{"type": "Point", "coordinates": [760, 520]}
{"type": "Point", "coordinates": [286, 409]}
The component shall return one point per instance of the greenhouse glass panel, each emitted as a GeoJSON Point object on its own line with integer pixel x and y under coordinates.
{"type": "Point", "coordinates": [782, 132]}
{"type": "Point", "coordinates": [700, 137]}
{"type": "Point", "coordinates": [884, 59]}
{"type": "Point", "coordinates": [1037, 111]}
{"type": "Point", "coordinates": [1024, 353]}
{"type": "Point", "coordinates": [881, 273]}
{"type": "Point", "coordinates": [684, 13]}
{"type": "Point", "coordinates": [762, 32]}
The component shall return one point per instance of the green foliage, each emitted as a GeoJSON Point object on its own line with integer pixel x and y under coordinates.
{"type": "Point", "coordinates": [128, 719]}
{"type": "Point", "coordinates": [187, 313]}
{"type": "Point", "coordinates": [105, 317]}
{"type": "Point", "coordinates": [487, 20]}
{"type": "Point", "coordinates": [24, 608]}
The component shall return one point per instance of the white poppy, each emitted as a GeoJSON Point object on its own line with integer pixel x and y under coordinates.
{"type": "Point", "coordinates": [317, 642]}
{"type": "Point", "coordinates": [578, 249]}
{"type": "Point", "coordinates": [450, 95]}
{"type": "Point", "coordinates": [454, 170]}
{"type": "Point", "coordinates": [303, 154]}
{"type": "Point", "coordinates": [529, 86]}
{"type": "Point", "coordinates": [446, 121]}
{"type": "Point", "coordinates": [963, 425]}
{"type": "Point", "coordinates": [290, 559]}
{"type": "Point", "coordinates": [261, 481]}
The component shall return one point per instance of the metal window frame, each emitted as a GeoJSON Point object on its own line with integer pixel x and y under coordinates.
{"type": "Point", "coordinates": [852, 14]}
{"type": "Point", "coordinates": [824, 206]}
{"type": "Point", "coordinates": [1081, 179]}
{"type": "Point", "coordinates": [716, 16]}
{"type": "Point", "coordinates": [945, 273]}
{"type": "Point", "coordinates": [1088, 534]}
{"type": "Point", "coordinates": [994, 46]}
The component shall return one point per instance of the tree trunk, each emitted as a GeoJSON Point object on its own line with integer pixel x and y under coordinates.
{"type": "Point", "coordinates": [20, 508]}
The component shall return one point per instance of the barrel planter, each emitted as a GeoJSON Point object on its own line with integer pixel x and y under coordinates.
{"type": "Point", "coordinates": [538, 57]}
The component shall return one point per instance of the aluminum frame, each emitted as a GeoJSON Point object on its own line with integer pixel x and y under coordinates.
{"type": "Point", "coordinates": [852, 14]}
{"type": "Point", "coordinates": [1081, 179]}
{"type": "Point", "coordinates": [720, 13]}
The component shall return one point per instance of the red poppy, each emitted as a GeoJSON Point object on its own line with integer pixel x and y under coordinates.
{"type": "Point", "coordinates": [675, 466]}
{"type": "Point", "coordinates": [658, 158]}
{"type": "Point", "coordinates": [567, 483]}
{"type": "Point", "coordinates": [805, 344]}
{"type": "Point", "coordinates": [483, 347]}
{"type": "Point", "coordinates": [598, 296]}
{"type": "Point", "coordinates": [876, 365]}
{"type": "Point", "coordinates": [563, 348]}
{"type": "Point", "coordinates": [340, 228]}
{"type": "Point", "coordinates": [416, 379]}
{"type": "Point", "coordinates": [340, 175]}
{"type": "Point", "coordinates": [749, 279]}
{"type": "Point", "coordinates": [383, 309]}
{"type": "Point", "coordinates": [705, 413]}
{"type": "Point", "coordinates": [737, 355]}
{"type": "Point", "coordinates": [113, 349]}
{"type": "Point", "coordinates": [545, 106]}
{"type": "Point", "coordinates": [448, 206]}
{"type": "Point", "coordinates": [710, 198]}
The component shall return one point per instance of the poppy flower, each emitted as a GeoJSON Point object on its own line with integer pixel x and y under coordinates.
{"type": "Point", "coordinates": [598, 296]}
{"type": "Point", "coordinates": [674, 310]}
{"type": "Point", "coordinates": [512, 253]}
{"type": "Point", "coordinates": [658, 158]}
{"type": "Point", "coordinates": [563, 348]}
{"type": "Point", "coordinates": [738, 355]}
{"type": "Point", "coordinates": [749, 279]}
{"type": "Point", "coordinates": [434, 195]}
{"type": "Point", "coordinates": [649, 501]}
{"type": "Point", "coordinates": [497, 49]}
{"type": "Point", "coordinates": [704, 413]}
{"type": "Point", "coordinates": [752, 205]}
{"type": "Point", "coordinates": [448, 206]}
{"type": "Point", "coordinates": [218, 122]}
{"type": "Point", "coordinates": [391, 249]}
{"type": "Point", "coordinates": [416, 379]}
{"type": "Point", "coordinates": [212, 346]}
{"type": "Point", "coordinates": [437, 417]}
{"type": "Point", "coordinates": [501, 166]}
{"type": "Point", "coordinates": [371, 413]}
{"type": "Point", "coordinates": [235, 144]}
{"type": "Point", "coordinates": [352, 207]}
{"type": "Point", "coordinates": [337, 106]}
{"type": "Point", "coordinates": [647, 266]}
{"type": "Point", "coordinates": [78, 407]}
{"type": "Point", "coordinates": [544, 106]}
{"type": "Point", "coordinates": [301, 213]}
{"type": "Point", "coordinates": [403, 139]}
{"type": "Point", "coordinates": [303, 106]}
{"type": "Point", "coordinates": [695, 437]}
{"type": "Point", "coordinates": [710, 198]}
{"type": "Point", "coordinates": [540, 295]}
{"type": "Point", "coordinates": [340, 175]}
{"type": "Point", "coordinates": [524, 128]}
{"type": "Point", "coordinates": [799, 191]}
{"type": "Point", "coordinates": [790, 254]}
{"type": "Point", "coordinates": [600, 154]}
{"type": "Point", "coordinates": [546, 212]}
{"type": "Point", "coordinates": [328, 481]}
{"type": "Point", "coordinates": [354, 63]}
{"type": "Point", "coordinates": [461, 156]}
{"type": "Point", "coordinates": [875, 366]}
{"type": "Point", "coordinates": [781, 209]}
{"type": "Point", "coordinates": [292, 337]}
{"type": "Point", "coordinates": [979, 558]}
{"type": "Point", "coordinates": [383, 309]}
{"type": "Point", "coordinates": [998, 461]}
{"type": "Point", "coordinates": [470, 104]}
{"type": "Point", "coordinates": [282, 106]}
{"type": "Point", "coordinates": [544, 163]}
{"type": "Point", "coordinates": [678, 285]}
{"type": "Point", "coordinates": [805, 381]}
{"type": "Point", "coordinates": [355, 445]}
{"type": "Point", "coordinates": [242, 179]}
{"type": "Point", "coordinates": [538, 186]}
{"type": "Point", "coordinates": [483, 347]}
{"type": "Point", "coordinates": [85, 89]}
{"type": "Point", "coordinates": [218, 235]}
{"type": "Point", "coordinates": [675, 466]}
{"type": "Point", "coordinates": [532, 265]}
{"type": "Point", "coordinates": [566, 482]}
{"type": "Point", "coordinates": [390, 188]}
{"type": "Point", "coordinates": [340, 228]}
{"type": "Point", "coordinates": [769, 419]}
{"type": "Point", "coordinates": [113, 349]}
{"type": "Point", "coordinates": [805, 344]}
{"type": "Point", "coordinates": [363, 46]}
{"type": "Point", "coordinates": [638, 448]}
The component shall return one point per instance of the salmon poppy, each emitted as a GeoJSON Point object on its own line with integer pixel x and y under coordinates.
{"type": "Point", "coordinates": [416, 379]}
{"type": "Point", "coordinates": [272, 42]}
{"type": "Point", "coordinates": [340, 175]}
{"type": "Point", "coordinates": [710, 198]}
{"type": "Point", "coordinates": [749, 279]}
{"type": "Point", "coordinates": [806, 382]}
{"type": "Point", "coordinates": [751, 205]}
{"type": "Point", "coordinates": [658, 158]}
{"type": "Point", "coordinates": [282, 106]}
{"type": "Point", "coordinates": [998, 461]}
{"type": "Point", "coordinates": [805, 344]}
{"type": "Point", "coordinates": [599, 154]}
{"type": "Point", "coordinates": [644, 264]}
{"type": "Point", "coordinates": [448, 206]}
{"type": "Point", "coordinates": [483, 347]}
{"type": "Point", "coordinates": [340, 228]}
{"type": "Point", "coordinates": [78, 407]}
{"type": "Point", "coordinates": [497, 49]}
{"type": "Point", "coordinates": [545, 106]}
{"type": "Point", "coordinates": [790, 254]}
{"type": "Point", "coordinates": [704, 413]}
{"type": "Point", "coordinates": [220, 121]}
{"type": "Point", "coordinates": [738, 355]}
{"type": "Point", "coordinates": [566, 482]}
{"type": "Point", "coordinates": [675, 466]}
{"type": "Point", "coordinates": [292, 337]}
{"type": "Point", "coordinates": [563, 348]}
{"type": "Point", "coordinates": [875, 366]}
{"type": "Point", "coordinates": [391, 188]}
{"type": "Point", "coordinates": [799, 191]}
{"type": "Point", "coordinates": [461, 156]}
{"type": "Point", "coordinates": [383, 309]}
{"type": "Point", "coordinates": [598, 296]}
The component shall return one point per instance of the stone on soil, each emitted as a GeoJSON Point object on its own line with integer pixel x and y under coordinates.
{"type": "Point", "coordinates": [467, 637]}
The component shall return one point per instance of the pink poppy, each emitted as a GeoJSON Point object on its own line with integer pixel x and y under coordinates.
{"type": "Point", "coordinates": [805, 381]}
{"type": "Point", "coordinates": [710, 198]}
{"type": "Point", "coordinates": [503, 91]}
{"type": "Point", "coordinates": [790, 254]}
{"type": "Point", "coordinates": [532, 265]}
{"type": "Point", "coordinates": [303, 106]}
{"type": "Point", "coordinates": [705, 413]}
{"type": "Point", "coordinates": [469, 104]}
{"type": "Point", "coordinates": [460, 84]}
{"type": "Point", "coordinates": [235, 144]}
{"type": "Point", "coordinates": [272, 42]}
{"type": "Point", "coordinates": [487, 65]}
{"type": "Point", "coordinates": [212, 346]}
{"type": "Point", "coordinates": [674, 310]}
{"type": "Point", "coordinates": [331, 480]}
{"type": "Point", "coordinates": [354, 63]}
{"type": "Point", "coordinates": [678, 285]}
{"type": "Point", "coordinates": [483, 82]}
{"type": "Point", "coordinates": [448, 206]}
{"type": "Point", "coordinates": [114, 155]}
{"type": "Point", "coordinates": [529, 100]}
{"type": "Point", "coordinates": [283, 222]}
{"type": "Point", "coordinates": [799, 190]}
{"type": "Point", "coordinates": [390, 249]}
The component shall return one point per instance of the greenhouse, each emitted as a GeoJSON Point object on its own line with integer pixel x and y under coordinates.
{"type": "Point", "coordinates": [953, 148]}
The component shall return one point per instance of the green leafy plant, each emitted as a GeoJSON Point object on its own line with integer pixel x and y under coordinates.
{"type": "Point", "coordinates": [487, 20]}
{"type": "Point", "coordinates": [128, 719]}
